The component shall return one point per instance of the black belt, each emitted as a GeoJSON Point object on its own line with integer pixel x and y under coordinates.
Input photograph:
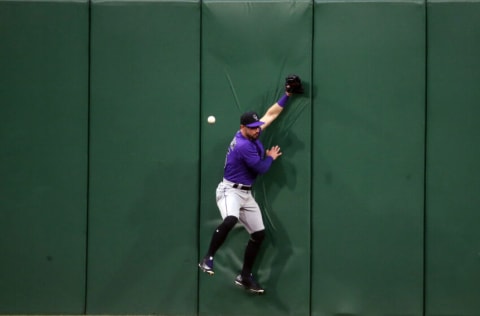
{"type": "Point", "coordinates": [242, 187]}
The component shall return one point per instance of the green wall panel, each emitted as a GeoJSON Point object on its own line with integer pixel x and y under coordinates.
{"type": "Point", "coordinates": [368, 158]}
{"type": "Point", "coordinates": [344, 207]}
{"type": "Point", "coordinates": [246, 54]}
{"type": "Point", "coordinates": [453, 156]}
{"type": "Point", "coordinates": [144, 159]}
{"type": "Point", "coordinates": [43, 156]}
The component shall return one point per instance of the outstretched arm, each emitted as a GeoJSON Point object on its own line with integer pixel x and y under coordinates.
{"type": "Point", "coordinates": [293, 85]}
{"type": "Point", "coordinates": [274, 111]}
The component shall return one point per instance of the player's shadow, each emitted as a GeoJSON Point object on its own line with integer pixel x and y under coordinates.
{"type": "Point", "coordinates": [282, 176]}
{"type": "Point", "coordinates": [268, 188]}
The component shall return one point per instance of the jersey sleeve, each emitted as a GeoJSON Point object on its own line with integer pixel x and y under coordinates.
{"type": "Point", "coordinates": [254, 161]}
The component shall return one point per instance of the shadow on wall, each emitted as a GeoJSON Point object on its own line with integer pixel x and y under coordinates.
{"type": "Point", "coordinates": [267, 189]}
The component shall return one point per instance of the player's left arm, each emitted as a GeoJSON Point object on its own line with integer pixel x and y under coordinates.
{"type": "Point", "coordinates": [293, 85]}
{"type": "Point", "coordinates": [274, 111]}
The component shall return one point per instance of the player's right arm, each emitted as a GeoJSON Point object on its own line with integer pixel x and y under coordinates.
{"type": "Point", "coordinates": [254, 161]}
{"type": "Point", "coordinates": [274, 152]}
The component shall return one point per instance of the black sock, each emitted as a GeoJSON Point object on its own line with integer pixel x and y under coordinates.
{"type": "Point", "coordinates": [251, 251]}
{"type": "Point", "coordinates": [221, 234]}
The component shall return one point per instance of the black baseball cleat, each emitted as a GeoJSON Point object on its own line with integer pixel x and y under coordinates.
{"type": "Point", "coordinates": [206, 265]}
{"type": "Point", "coordinates": [248, 283]}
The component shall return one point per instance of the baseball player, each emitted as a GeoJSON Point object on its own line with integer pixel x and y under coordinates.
{"type": "Point", "coordinates": [246, 159]}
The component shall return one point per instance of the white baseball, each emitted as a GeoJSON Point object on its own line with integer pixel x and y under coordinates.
{"type": "Point", "coordinates": [211, 119]}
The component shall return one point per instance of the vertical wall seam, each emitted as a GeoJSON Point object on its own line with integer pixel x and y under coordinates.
{"type": "Point", "coordinates": [199, 185]}
{"type": "Point", "coordinates": [87, 217]}
{"type": "Point", "coordinates": [424, 306]}
{"type": "Point", "coordinates": [312, 134]}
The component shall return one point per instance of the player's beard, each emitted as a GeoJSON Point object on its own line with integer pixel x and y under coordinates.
{"type": "Point", "coordinates": [251, 133]}
{"type": "Point", "coordinates": [254, 136]}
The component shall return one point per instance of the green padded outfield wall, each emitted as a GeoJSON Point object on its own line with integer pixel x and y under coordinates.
{"type": "Point", "coordinates": [368, 158]}
{"type": "Point", "coordinates": [453, 159]}
{"type": "Point", "coordinates": [247, 50]}
{"type": "Point", "coordinates": [108, 167]}
{"type": "Point", "coordinates": [144, 157]}
{"type": "Point", "coordinates": [43, 156]}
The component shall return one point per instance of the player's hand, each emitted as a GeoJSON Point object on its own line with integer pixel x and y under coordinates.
{"type": "Point", "coordinates": [274, 152]}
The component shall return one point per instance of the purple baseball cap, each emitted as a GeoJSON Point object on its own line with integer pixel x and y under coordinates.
{"type": "Point", "coordinates": [250, 119]}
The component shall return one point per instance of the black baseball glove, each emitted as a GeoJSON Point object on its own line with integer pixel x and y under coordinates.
{"type": "Point", "coordinates": [293, 84]}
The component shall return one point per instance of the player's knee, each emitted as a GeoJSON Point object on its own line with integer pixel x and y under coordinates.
{"type": "Point", "coordinates": [258, 237]}
{"type": "Point", "coordinates": [229, 222]}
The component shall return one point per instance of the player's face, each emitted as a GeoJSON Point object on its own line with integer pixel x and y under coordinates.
{"type": "Point", "coordinates": [252, 133]}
